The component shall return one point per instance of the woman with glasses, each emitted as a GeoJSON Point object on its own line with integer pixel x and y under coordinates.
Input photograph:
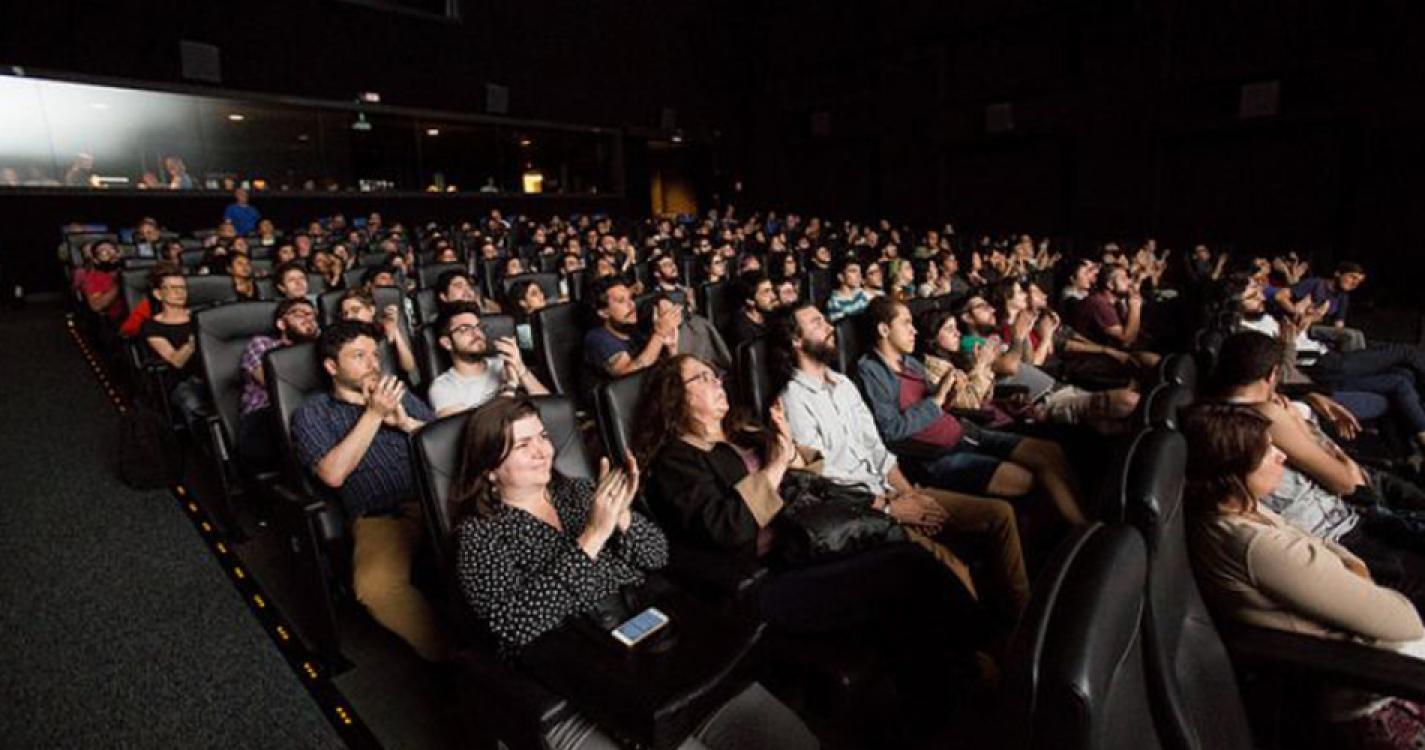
{"type": "Point", "coordinates": [169, 336]}
{"type": "Point", "coordinates": [714, 475]}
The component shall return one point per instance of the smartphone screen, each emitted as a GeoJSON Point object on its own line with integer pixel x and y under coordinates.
{"type": "Point", "coordinates": [640, 626]}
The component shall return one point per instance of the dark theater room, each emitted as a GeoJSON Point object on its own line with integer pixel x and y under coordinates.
{"type": "Point", "coordinates": [727, 375]}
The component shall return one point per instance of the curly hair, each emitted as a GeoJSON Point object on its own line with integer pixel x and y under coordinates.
{"type": "Point", "coordinates": [662, 412]}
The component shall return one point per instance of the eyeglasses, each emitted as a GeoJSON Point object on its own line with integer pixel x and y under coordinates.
{"type": "Point", "coordinates": [300, 313]}
{"type": "Point", "coordinates": [706, 376]}
{"type": "Point", "coordinates": [465, 328]}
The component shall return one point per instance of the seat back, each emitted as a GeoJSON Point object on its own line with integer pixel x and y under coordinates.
{"type": "Point", "coordinates": [548, 283]}
{"type": "Point", "coordinates": [719, 302]}
{"type": "Point", "coordinates": [437, 456]}
{"type": "Point", "coordinates": [1178, 369]}
{"type": "Point", "coordinates": [559, 340]}
{"type": "Point", "coordinates": [1075, 677]}
{"type": "Point", "coordinates": [207, 291]}
{"type": "Point", "coordinates": [852, 340]}
{"type": "Point", "coordinates": [134, 282]}
{"type": "Point", "coordinates": [754, 379]}
{"type": "Point", "coordinates": [222, 334]}
{"type": "Point", "coordinates": [1162, 409]}
{"type": "Point", "coordinates": [819, 286]}
{"type": "Point", "coordinates": [615, 404]}
{"type": "Point", "coordinates": [1190, 679]}
{"type": "Point", "coordinates": [425, 279]}
{"type": "Point", "coordinates": [294, 374]}
{"type": "Point", "coordinates": [427, 306]}
{"type": "Point", "coordinates": [434, 359]}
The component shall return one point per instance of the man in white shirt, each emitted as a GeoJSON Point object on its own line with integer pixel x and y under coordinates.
{"type": "Point", "coordinates": [826, 412]}
{"type": "Point", "coordinates": [475, 375]}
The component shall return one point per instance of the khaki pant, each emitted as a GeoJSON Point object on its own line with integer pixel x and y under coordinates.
{"type": "Point", "coordinates": [381, 573]}
{"type": "Point", "coordinates": [989, 526]}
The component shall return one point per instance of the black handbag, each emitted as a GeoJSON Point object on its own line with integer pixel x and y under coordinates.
{"type": "Point", "coordinates": [823, 520]}
{"type": "Point", "coordinates": [656, 693]}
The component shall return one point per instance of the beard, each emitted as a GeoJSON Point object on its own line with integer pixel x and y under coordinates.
{"type": "Point", "coordinates": [302, 337]}
{"type": "Point", "coordinates": [473, 354]}
{"type": "Point", "coordinates": [822, 351]}
{"type": "Point", "coordinates": [624, 329]}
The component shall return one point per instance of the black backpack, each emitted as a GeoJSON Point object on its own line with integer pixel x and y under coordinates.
{"type": "Point", "coordinates": [148, 450]}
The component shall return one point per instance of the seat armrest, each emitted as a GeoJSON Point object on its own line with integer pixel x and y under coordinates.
{"type": "Point", "coordinates": [720, 574]}
{"type": "Point", "coordinates": [915, 450]}
{"type": "Point", "coordinates": [1321, 660]}
{"type": "Point", "coordinates": [978, 416]}
{"type": "Point", "coordinates": [1006, 392]}
{"type": "Point", "coordinates": [524, 706]}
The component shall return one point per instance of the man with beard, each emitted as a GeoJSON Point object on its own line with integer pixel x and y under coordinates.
{"type": "Point", "coordinates": [296, 322]}
{"type": "Point", "coordinates": [825, 411]}
{"type": "Point", "coordinates": [665, 280]}
{"type": "Point", "coordinates": [356, 441]}
{"type": "Point", "coordinates": [610, 349]}
{"type": "Point", "coordinates": [1113, 315]}
{"type": "Point", "coordinates": [475, 375]}
{"type": "Point", "coordinates": [1357, 380]}
{"type": "Point", "coordinates": [759, 299]}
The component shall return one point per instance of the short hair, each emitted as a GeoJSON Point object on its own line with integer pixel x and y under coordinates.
{"type": "Point", "coordinates": [745, 289]}
{"type": "Point", "coordinates": [286, 305]}
{"type": "Point", "coordinates": [360, 295]}
{"type": "Point", "coordinates": [370, 274]}
{"type": "Point", "coordinates": [1347, 266]}
{"type": "Point", "coordinates": [443, 281]}
{"type": "Point", "coordinates": [160, 272]}
{"type": "Point", "coordinates": [882, 309]}
{"type": "Point", "coordinates": [599, 294]}
{"type": "Point", "coordinates": [281, 271]}
{"type": "Point", "coordinates": [849, 260]}
{"type": "Point", "coordinates": [1245, 358]}
{"type": "Point", "coordinates": [341, 333]}
{"type": "Point", "coordinates": [520, 288]}
{"type": "Point", "coordinates": [450, 312]}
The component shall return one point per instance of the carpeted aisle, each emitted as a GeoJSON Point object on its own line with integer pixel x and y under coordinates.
{"type": "Point", "coordinates": [117, 629]}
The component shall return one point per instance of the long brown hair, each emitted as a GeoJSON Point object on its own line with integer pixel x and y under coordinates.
{"type": "Point", "coordinates": [485, 445]}
{"type": "Point", "coordinates": [1226, 443]}
{"type": "Point", "coordinates": [662, 413]}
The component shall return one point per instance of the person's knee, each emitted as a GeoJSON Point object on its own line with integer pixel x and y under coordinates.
{"type": "Point", "coordinates": [1122, 402]}
{"type": "Point", "coordinates": [1011, 480]}
{"type": "Point", "coordinates": [376, 585]}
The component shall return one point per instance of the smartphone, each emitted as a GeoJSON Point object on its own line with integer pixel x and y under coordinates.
{"type": "Point", "coordinates": [639, 627]}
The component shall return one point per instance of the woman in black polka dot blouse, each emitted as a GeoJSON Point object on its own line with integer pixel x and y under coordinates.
{"type": "Point", "coordinates": [535, 547]}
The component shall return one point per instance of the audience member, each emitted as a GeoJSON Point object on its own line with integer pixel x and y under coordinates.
{"type": "Point", "coordinates": [906, 407]}
{"type": "Point", "coordinates": [848, 298]}
{"type": "Point", "coordinates": [536, 548]}
{"type": "Point", "coordinates": [359, 305]}
{"type": "Point", "coordinates": [756, 300]}
{"type": "Point", "coordinates": [1257, 569]}
{"type": "Point", "coordinates": [242, 216]}
{"type": "Point", "coordinates": [295, 321]}
{"type": "Point", "coordinates": [476, 374]}
{"type": "Point", "coordinates": [354, 440]}
{"type": "Point", "coordinates": [169, 336]}
{"type": "Point", "coordinates": [610, 349]}
{"type": "Point", "coordinates": [98, 281]}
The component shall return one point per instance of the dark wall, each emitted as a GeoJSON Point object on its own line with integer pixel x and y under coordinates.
{"type": "Point", "coordinates": [1125, 119]}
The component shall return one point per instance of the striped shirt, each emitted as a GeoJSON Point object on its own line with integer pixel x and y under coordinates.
{"type": "Point", "coordinates": [382, 479]}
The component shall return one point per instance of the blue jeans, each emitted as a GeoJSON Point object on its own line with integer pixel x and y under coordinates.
{"type": "Point", "coordinates": [1391, 370]}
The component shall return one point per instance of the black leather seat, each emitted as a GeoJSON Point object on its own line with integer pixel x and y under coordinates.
{"type": "Point", "coordinates": [434, 359]}
{"type": "Point", "coordinates": [615, 407]}
{"type": "Point", "coordinates": [1178, 369]}
{"type": "Point", "coordinates": [754, 379]}
{"type": "Point", "coordinates": [852, 340]}
{"type": "Point", "coordinates": [1190, 680]}
{"type": "Point", "coordinates": [717, 302]}
{"type": "Point", "coordinates": [426, 277]}
{"type": "Point", "coordinates": [311, 517]}
{"type": "Point", "coordinates": [222, 335]}
{"type": "Point", "coordinates": [1162, 409]}
{"type": "Point", "coordinates": [559, 341]}
{"type": "Point", "coordinates": [1074, 678]}
{"type": "Point", "coordinates": [427, 306]}
{"type": "Point", "coordinates": [207, 291]}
